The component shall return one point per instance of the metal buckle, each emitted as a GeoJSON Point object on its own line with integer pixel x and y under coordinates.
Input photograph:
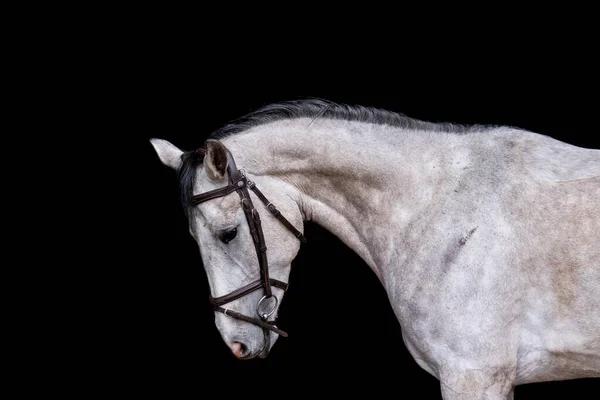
{"type": "Point", "coordinates": [245, 204]}
{"type": "Point", "coordinates": [255, 215]}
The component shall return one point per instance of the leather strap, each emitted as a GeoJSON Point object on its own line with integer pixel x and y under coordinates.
{"type": "Point", "coordinates": [271, 207]}
{"type": "Point", "coordinates": [224, 191]}
{"type": "Point", "coordinates": [258, 238]}
{"type": "Point", "coordinates": [270, 325]}
{"type": "Point", "coordinates": [236, 294]}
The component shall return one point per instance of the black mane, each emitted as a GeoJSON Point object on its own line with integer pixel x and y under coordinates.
{"type": "Point", "coordinates": [318, 108]}
{"type": "Point", "coordinates": [190, 160]}
{"type": "Point", "coordinates": [312, 108]}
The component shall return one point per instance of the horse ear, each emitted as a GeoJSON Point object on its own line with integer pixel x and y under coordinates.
{"type": "Point", "coordinates": [169, 154]}
{"type": "Point", "coordinates": [215, 160]}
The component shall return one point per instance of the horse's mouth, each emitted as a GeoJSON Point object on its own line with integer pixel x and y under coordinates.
{"type": "Point", "coordinates": [263, 352]}
{"type": "Point", "coordinates": [247, 357]}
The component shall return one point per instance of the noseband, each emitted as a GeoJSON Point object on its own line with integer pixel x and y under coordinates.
{"type": "Point", "coordinates": [268, 303]}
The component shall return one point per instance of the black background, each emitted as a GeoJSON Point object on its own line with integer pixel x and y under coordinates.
{"type": "Point", "coordinates": [157, 331]}
{"type": "Point", "coordinates": [117, 302]}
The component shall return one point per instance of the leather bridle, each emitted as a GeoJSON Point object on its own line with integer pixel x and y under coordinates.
{"type": "Point", "coordinates": [267, 305]}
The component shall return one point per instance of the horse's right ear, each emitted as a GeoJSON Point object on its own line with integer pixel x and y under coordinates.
{"type": "Point", "coordinates": [169, 154]}
{"type": "Point", "coordinates": [215, 161]}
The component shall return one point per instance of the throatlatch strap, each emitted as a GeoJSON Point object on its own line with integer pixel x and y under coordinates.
{"type": "Point", "coordinates": [276, 212]}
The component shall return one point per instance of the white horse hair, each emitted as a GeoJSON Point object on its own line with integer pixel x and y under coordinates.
{"type": "Point", "coordinates": [486, 239]}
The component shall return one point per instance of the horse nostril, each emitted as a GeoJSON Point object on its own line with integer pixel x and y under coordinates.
{"type": "Point", "coordinates": [238, 349]}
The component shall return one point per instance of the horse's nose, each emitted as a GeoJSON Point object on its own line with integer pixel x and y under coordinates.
{"type": "Point", "coordinates": [239, 349]}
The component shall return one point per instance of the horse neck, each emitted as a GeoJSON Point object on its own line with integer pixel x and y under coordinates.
{"type": "Point", "coordinates": [362, 182]}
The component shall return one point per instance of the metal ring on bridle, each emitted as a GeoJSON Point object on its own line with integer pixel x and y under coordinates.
{"type": "Point", "coordinates": [266, 315]}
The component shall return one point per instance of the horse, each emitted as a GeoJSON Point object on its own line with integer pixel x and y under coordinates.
{"type": "Point", "coordinates": [484, 238]}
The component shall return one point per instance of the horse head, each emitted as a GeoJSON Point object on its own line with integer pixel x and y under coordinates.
{"type": "Point", "coordinates": [232, 231]}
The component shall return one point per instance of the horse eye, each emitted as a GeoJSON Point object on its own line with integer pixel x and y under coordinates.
{"type": "Point", "coordinates": [228, 236]}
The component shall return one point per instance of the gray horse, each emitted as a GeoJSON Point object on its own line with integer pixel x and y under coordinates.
{"type": "Point", "coordinates": [486, 239]}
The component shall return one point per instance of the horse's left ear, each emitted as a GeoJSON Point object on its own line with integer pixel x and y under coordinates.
{"type": "Point", "coordinates": [215, 161]}
{"type": "Point", "coordinates": [169, 154]}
